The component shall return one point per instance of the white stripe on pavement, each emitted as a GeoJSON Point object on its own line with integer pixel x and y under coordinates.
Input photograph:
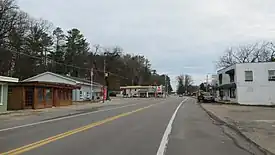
{"type": "Point", "coordinates": [165, 138]}
{"type": "Point", "coordinates": [67, 117]}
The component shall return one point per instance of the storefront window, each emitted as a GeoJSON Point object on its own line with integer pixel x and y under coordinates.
{"type": "Point", "coordinates": [59, 94]}
{"type": "Point", "coordinates": [40, 95]}
{"type": "Point", "coordinates": [64, 95]}
{"type": "Point", "coordinates": [68, 95]}
{"type": "Point", "coordinates": [48, 96]}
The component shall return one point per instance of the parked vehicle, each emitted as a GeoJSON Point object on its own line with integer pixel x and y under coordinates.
{"type": "Point", "coordinates": [112, 94]}
{"type": "Point", "coordinates": [205, 97]}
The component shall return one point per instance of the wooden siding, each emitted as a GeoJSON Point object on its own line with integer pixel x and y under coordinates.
{"type": "Point", "coordinates": [42, 97]}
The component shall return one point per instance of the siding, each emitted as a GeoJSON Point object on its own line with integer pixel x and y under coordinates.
{"type": "Point", "coordinates": [258, 92]}
{"type": "Point", "coordinates": [85, 89]}
{"type": "Point", "coordinates": [3, 107]}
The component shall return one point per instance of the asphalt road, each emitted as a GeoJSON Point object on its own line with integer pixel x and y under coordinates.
{"type": "Point", "coordinates": [172, 126]}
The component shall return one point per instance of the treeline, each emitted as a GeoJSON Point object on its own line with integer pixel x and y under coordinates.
{"type": "Point", "coordinates": [29, 46]}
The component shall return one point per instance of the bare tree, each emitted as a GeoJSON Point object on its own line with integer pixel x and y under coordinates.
{"type": "Point", "coordinates": [187, 82]}
{"type": "Point", "coordinates": [250, 53]}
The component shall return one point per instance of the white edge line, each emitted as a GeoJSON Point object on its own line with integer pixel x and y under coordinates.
{"type": "Point", "coordinates": [67, 117]}
{"type": "Point", "coordinates": [165, 138]}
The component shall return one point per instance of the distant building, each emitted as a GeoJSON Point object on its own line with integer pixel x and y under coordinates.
{"type": "Point", "coordinates": [143, 91]}
{"type": "Point", "coordinates": [82, 94]}
{"type": "Point", "coordinates": [214, 80]}
{"type": "Point", "coordinates": [248, 83]}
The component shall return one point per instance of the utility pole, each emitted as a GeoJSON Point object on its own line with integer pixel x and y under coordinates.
{"type": "Point", "coordinates": [104, 70]}
{"type": "Point", "coordinates": [165, 90]}
{"type": "Point", "coordinates": [207, 83]}
{"type": "Point", "coordinates": [92, 74]}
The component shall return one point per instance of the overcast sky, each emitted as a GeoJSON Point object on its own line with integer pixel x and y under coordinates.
{"type": "Point", "coordinates": [177, 36]}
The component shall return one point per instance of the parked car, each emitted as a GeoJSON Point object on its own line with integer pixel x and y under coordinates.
{"type": "Point", "coordinates": [112, 94]}
{"type": "Point", "coordinates": [205, 97]}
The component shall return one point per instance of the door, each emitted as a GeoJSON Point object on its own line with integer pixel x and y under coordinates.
{"type": "Point", "coordinates": [29, 98]}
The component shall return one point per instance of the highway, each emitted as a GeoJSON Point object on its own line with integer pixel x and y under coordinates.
{"type": "Point", "coordinates": [171, 126]}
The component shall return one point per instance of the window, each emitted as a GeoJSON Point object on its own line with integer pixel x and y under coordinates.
{"type": "Point", "coordinates": [220, 79]}
{"type": "Point", "coordinates": [60, 94]}
{"type": "Point", "coordinates": [80, 94]}
{"type": "Point", "coordinates": [40, 95]}
{"type": "Point", "coordinates": [271, 75]}
{"type": "Point", "coordinates": [9, 90]}
{"type": "Point", "coordinates": [1, 94]}
{"type": "Point", "coordinates": [248, 76]}
{"type": "Point", "coordinates": [48, 96]}
{"type": "Point", "coordinates": [64, 95]}
{"type": "Point", "coordinates": [68, 94]}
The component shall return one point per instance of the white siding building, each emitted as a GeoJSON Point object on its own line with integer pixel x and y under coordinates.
{"type": "Point", "coordinates": [84, 93]}
{"type": "Point", "coordinates": [143, 91]}
{"type": "Point", "coordinates": [248, 83]}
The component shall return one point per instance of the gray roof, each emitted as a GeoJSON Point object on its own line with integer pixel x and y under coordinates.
{"type": "Point", "coordinates": [80, 79]}
{"type": "Point", "coordinates": [75, 79]}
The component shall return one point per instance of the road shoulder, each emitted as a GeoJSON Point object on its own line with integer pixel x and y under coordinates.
{"type": "Point", "coordinates": [254, 124]}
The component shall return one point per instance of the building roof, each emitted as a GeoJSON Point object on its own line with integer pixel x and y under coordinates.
{"type": "Point", "coordinates": [70, 78]}
{"type": "Point", "coordinates": [8, 79]}
{"type": "Point", "coordinates": [245, 63]}
{"type": "Point", "coordinates": [225, 68]}
{"type": "Point", "coordinates": [46, 84]}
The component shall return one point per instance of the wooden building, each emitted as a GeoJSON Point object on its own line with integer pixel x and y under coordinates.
{"type": "Point", "coordinates": [37, 95]}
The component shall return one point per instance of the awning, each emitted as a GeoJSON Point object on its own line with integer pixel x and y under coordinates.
{"type": "Point", "coordinates": [231, 71]}
{"type": "Point", "coordinates": [227, 86]}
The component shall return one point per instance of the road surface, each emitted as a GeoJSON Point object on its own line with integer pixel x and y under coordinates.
{"type": "Point", "coordinates": [172, 126]}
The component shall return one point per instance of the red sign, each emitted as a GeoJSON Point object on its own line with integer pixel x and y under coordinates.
{"type": "Point", "coordinates": [104, 93]}
{"type": "Point", "coordinates": [159, 89]}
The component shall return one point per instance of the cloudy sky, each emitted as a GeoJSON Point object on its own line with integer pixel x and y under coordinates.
{"type": "Point", "coordinates": [177, 36]}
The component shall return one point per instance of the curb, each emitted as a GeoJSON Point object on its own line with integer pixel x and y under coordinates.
{"type": "Point", "coordinates": [19, 112]}
{"type": "Point", "coordinates": [213, 116]}
{"type": "Point", "coordinates": [237, 104]}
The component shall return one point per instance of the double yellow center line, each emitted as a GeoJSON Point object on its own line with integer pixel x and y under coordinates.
{"type": "Point", "coordinates": [68, 133]}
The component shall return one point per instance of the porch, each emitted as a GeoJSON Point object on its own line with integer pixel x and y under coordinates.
{"type": "Point", "coordinates": [227, 93]}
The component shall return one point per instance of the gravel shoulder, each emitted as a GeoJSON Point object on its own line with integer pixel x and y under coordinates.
{"type": "Point", "coordinates": [255, 123]}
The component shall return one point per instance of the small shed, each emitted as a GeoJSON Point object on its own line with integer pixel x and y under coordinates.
{"type": "Point", "coordinates": [37, 95]}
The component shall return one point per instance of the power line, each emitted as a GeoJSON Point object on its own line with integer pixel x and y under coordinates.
{"type": "Point", "coordinates": [35, 57]}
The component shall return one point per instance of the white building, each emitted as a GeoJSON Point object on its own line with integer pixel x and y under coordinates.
{"type": "Point", "coordinates": [214, 80]}
{"type": "Point", "coordinates": [248, 83]}
{"type": "Point", "coordinates": [143, 91]}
